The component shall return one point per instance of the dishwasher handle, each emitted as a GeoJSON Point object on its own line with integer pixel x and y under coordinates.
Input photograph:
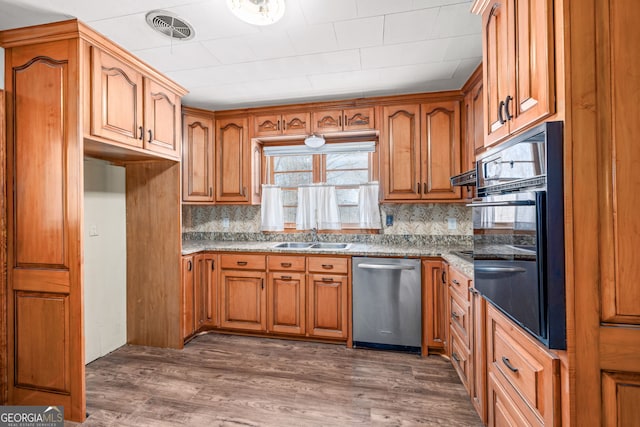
{"type": "Point", "coordinates": [386, 267]}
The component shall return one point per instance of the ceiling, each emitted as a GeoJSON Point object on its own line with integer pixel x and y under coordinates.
{"type": "Point", "coordinates": [320, 50]}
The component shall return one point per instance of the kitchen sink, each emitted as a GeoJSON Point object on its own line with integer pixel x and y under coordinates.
{"type": "Point", "coordinates": [311, 245]}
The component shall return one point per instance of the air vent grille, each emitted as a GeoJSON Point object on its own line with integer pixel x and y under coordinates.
{"type": "Point", "coordinates": [170, 25]}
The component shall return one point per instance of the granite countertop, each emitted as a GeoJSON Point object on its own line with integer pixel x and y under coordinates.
{"type": "Point", "coordinates": [354, 249]}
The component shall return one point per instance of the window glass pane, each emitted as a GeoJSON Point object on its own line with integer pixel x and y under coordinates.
{"type": "Point", "coordinates": [290, 215]}
{"type": "Point", "coordinates": [292, 163]}
{"type": "Point", "coordinates": [348, 161]}
{"type": "Point", "coordinates": [292, 179]}
{"type": "Point", "coordinates": [290, 197]}
{"type": "Point", "coordinates": [348, 196]}
{"type": "Point", "coordinates": [349, 215]}
{"type": "Point", "coordinates": [347, 177]}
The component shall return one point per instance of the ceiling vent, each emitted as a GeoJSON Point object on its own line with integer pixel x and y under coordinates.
{"type": "Point", "coordinates": [170, 25]}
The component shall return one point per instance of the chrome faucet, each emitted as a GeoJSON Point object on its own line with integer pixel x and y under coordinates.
{"type": "Point", "coordinates": [314, 235]}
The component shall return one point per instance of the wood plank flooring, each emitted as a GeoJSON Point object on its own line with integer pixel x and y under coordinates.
{"type": "Point", "coordinates": [226, 380]}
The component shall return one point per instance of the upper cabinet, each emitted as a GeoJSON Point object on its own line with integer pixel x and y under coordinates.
{"type": "Point", "coordinates": [281, 124]}
{"type": "Point", "coordinates": [420, 151]}
{"type": "Point", "coordinates": [232, 160]}
{"type": "Point", "coordinates": [518, 58]}
{"type": "Point", "coordinates": [197, 158]}
{"type": "Point", "coordinates": [343, 120]}
{"type": "Point", "coordinates": [130, 108]}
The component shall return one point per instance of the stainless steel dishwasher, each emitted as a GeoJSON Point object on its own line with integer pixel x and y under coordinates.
{"type": "Point", "coordinates": [387, 303]}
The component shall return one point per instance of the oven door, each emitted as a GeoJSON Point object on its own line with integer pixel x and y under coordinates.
{"type": "Point", "coordinates": [508, 257]}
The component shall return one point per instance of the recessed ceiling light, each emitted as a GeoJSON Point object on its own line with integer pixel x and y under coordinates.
{"type": "Point", "coordinates": [257, 12]}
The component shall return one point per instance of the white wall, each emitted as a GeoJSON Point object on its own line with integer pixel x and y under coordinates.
{"type": "Point", "coordinates": [105, 258]}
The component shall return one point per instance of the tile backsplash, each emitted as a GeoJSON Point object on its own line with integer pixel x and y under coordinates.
{"type": "Point", "coordinates": [408, 219]}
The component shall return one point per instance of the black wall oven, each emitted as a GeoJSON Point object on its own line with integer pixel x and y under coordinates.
{"type": "Point", "coordinates": [518, 235]}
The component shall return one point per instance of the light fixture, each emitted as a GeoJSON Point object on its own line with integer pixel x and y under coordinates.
{"type": "Point", "coordinates": [257, 12]}
{"type": "Point", "coordinates": [314, 141]}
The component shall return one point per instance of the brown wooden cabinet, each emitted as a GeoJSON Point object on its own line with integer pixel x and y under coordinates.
{"type": "Point", "coordinates": [518, 57]}
{"type": "Point", "coordinates": [233, 171]}
{"type": "Point", "coordinates": [188, 296]}
{"type": "Point", "coordinates": [197, 158]}
{"type": "Point", "coordinates": [420, 149]}
{"type": "Point", "coordinates": [130, 108]}
{"type": "Point", "coordinates": [206, 291]}
{"type": "Point", "coordinates": [286, 303]}
{"type": "Point", "coordinates": [282, 124]}
{"type": "Point", "coordinates": [327, 297]}
{"type": "Point", "coordinates": [478, 347]}
{"type": "Point", "coordinates": [435, 323]}
{"type": "Point", "coordinates": [242, 292]}
{"type": "Point", "coordinates": [343, 120]}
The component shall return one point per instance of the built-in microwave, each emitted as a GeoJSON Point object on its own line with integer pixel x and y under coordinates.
{"type": "Point", "coordinates": [518, 232]}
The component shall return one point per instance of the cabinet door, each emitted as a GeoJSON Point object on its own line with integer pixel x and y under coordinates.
{"type": "Point", "coordinates": [495, 44]}
{"type": "Point", "coordinates": [296, 124]}
{"type": "Point", "coordinates": [188, 296]}
{"type": "Point", "coordinates": [162, 119]}
{"type": "Point", "coordinates": [326, 121]}
{"type": "Point", "coordinates": [400, 149]}
{"type": "Point", "coordinates": [116, 100]}
{"type": "Point", "coordinates": [197, 159]}
{"type": "Point", "coordinates": [206, 291]}
{"type": "Point", "coordinates": [358, 119]}
{"type": "Point", "coordinates": [267, 125]}
{"type": "Point", "coordinates": [434, 302]}
{"type": "Point", "coordinates": [327, 306]}
{"type": "Point", "coordinates": [477, 117]}
{"type": "Point", "coordinates": [441, 152]}
{"type": "Point", "coordinates": [478, 383]}
{"type": "Point", "coordinates": [232, 160]}
{"type": "Point", "coordinates": [286, 303]}
{"type": "Point", "coordinates": [242, 300]}
{"type": "Point", "coordinates": [532, 66]}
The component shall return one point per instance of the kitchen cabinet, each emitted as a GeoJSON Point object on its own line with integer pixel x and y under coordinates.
{"type": "Point", "coordinates": [206, 291]}
{"type": "Point", "coordinates": [282, 124]}
{"type": "Point", "coordinates": [242, 292]}
{"type": "Point", "coordinates": [521, 372]}
{"type": "Point", "coordinates": [343, 120]}
{"type": "Point", "coordinates": [197, 158]}
{"type": "Point", "coordinates": [420, 149]}
{"type": "Point", "coordinates": [286, 296]}
{"type": "Point", "coordinates": [232, 167]}
{"type": "Point", "coordinates": [130, 108]}
{"type": "Point", "coordinates": [327, 300]}
{"type": "Point", "coordinates": [435, 323]}
{"type": "Point", "coordinates": [478, 347]}
{"type": "Point", "coordinates": [188, 296]}
{"type": "Point", "coordinates": [518, 58]}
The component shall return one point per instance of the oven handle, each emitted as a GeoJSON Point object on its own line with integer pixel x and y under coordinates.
{"type": "Point", "coordinates": [511, 203]}
{"type": "Point", "coordinates": [499, 269]}
{"type": "Point", "coordinates": [386, 267]}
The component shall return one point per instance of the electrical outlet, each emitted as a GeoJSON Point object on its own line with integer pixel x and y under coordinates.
{"type": "Point", "coordinates": [93, 230]}
{"type": "Point", "coordinates": [452, 224]}
{"type": "Point", "coordinates": [389, 220]}
{"type": "Point", "coordinates": [225, 222]}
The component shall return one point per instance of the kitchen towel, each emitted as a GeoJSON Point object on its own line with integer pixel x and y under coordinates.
{"type": "Point", "coordinates": [271, 209]}
{"type": "Point", "coordinates": [368, 206]}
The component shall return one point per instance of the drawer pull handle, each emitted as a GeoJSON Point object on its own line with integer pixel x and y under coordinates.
{"type": "Point", "coordinates": [189, 265]}
{"type": "Point", "coordinates": [327, 279]}
{"type": "Point", "coordinates": [455, 357]}
{"type": "Point", "coordinates": [242, 262]}
{"type": "Point", "coordinates": [285, 264]}
{"type": "Point", "coordinates": [454, 315]}
{"type": "Point", "coordinates": [455, 282]}
{"type": "Point", "coordinates": [285, 277]}
{"type": "Point", "coordinates": [508, 364]}
{"type": "Point", "coordinates": [327, 266]}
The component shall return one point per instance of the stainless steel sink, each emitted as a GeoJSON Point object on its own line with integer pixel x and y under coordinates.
{"type": "Point", "coordinates": [293, 245]}
{"type": "Point", "coordinates": [328, 245]}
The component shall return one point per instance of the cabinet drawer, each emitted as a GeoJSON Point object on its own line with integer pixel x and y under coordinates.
{"type": "Point", "coordinates": [285, 263]}
{"type": "Point", "coordinates": [518, 361]}
{"type": "Point", "coordinates": [507, 410]}
{"type": "Point", "coordinates": [328, 265]}
{"type": "Point", "coordinates": [459, 313]}
{"type": "Point", "coordinates": [460, 358]}
{"type": "Point", "coordinates": [242, 262]}
{"type": "Point", "coordinates": [459, 284]}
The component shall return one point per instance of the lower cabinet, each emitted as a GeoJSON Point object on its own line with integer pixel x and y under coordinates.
{"type": "Point", "coordinates": [478, 346]}
{"type": "Point", "coordinates": [434, 305]}
{"type": "Point", "coordinates": [206, 295]}
{"type": "Point", "coordinates": [188, 296]}
{"type": "Point", "coordinates": [286, 302]}
{"type": "Point", "coordinates": [243, 300]}
{"type": "Point", "coordinates": [327, 306]}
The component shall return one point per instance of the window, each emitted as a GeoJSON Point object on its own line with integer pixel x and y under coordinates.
{"type": "Point", "coordinates": [345, 170]}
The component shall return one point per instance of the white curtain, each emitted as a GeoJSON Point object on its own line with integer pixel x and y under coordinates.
{"type": "Point", "coordinates": [368, 206]}
{"type": "Point", "coordinates": [271, 209]}
{"type": "Point", "coordinates": [317, 208]}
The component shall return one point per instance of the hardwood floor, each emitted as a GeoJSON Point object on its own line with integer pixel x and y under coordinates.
{"type": "Point", "coordinates": [225, 380]}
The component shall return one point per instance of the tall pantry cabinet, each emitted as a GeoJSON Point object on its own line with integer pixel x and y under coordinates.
{"type": "Point", "coordinates": [50, 128]}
